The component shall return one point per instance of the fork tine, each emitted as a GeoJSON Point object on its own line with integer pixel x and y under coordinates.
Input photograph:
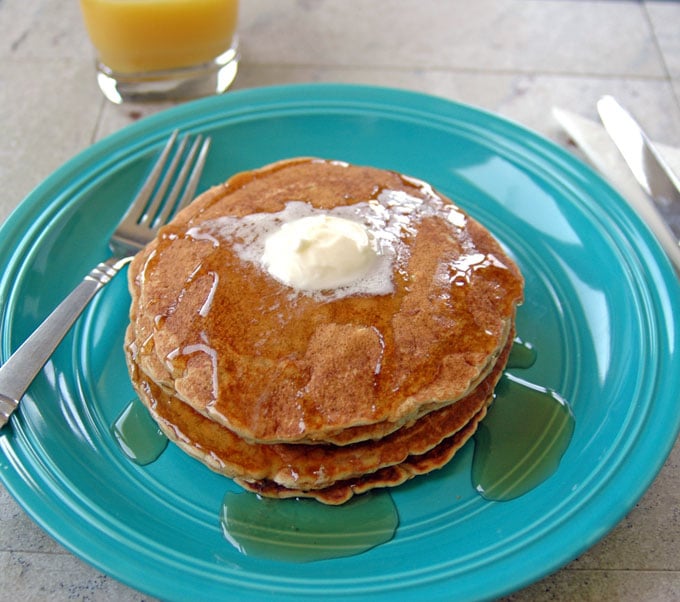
{"type": "Point", "coordinates": [169, 203]}
{"type": "Point", "coordinates": [136, 209]}
{"type": "Point", "coordinates": [149, 216]}
{"type": "Point", "coordinates": [192, 184]}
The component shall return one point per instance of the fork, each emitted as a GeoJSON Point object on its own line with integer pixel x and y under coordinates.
{"type": "Point", "coordinates": [138, 226]}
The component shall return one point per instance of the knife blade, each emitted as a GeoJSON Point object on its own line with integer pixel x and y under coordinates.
{"type": "Point", "coordinates": [599, 149]}
{"type": "Point", "coordinates": [643, 159]}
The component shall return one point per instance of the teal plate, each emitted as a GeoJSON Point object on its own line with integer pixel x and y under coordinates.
{"type": "Point", "coordinates": [602, 308]}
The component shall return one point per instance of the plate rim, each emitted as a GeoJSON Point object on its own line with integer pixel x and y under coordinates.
{"type": "Point", "coordinates": [158, 123]}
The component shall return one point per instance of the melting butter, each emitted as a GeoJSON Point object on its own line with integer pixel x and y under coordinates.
{"type": "Point", "coordinates": [319, 252]}
{"type": "Point", "coordinates": [332, 253]}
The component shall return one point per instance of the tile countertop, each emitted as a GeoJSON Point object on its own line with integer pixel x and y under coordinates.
{"type": "Point", "coordinates": [517, 58]}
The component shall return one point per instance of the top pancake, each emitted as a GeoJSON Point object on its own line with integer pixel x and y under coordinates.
{"type": "Point", "coordinates": [277, 365]}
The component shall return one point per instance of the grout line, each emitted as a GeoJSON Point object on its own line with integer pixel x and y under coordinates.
{"type": "Point", "coordinates": [649, 571]}
{"type": "Point", "coordinates": [98, 122]}
{"type": "Point", "coordinates": [244, 63]}
{"type": "Point", "coordinates": [652, 570]}
{"type": "Point", "coordinates": [459, 70]}
{"type": "Point", "coordinates": [659, 49]}
{"type": "Point", "coordinates": [60, 552]}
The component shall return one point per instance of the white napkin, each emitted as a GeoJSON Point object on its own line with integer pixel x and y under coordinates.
{"type": "Point", "coordinates": [591, 137]}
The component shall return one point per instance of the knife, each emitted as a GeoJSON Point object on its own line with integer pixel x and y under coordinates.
{"type": "Point", "coordinates": [647, 165]}
{"type": "Point", "coordinates": [598, 148]}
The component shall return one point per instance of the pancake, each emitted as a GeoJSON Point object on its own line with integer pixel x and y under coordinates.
{"type": "Point", "coordinates": [281, 469]}
{"type": "Point", "coordinates": [214, 332]}
{"type": "Point", "coordinates": [390, 476]}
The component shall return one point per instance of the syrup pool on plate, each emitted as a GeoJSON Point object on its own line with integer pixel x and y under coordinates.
{"type": "Point", "coordinates": [517, 446]}
{"type": "Point", "coordinates": [522, 439]}
{"type": "Point", "coordinates": [522, 354]}
{"type": "Point", "coordinates": [304, 530]}
{"type": "Point", "coordinates": [137, 435]}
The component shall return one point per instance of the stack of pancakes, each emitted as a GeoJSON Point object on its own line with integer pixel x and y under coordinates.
{"type": "Point", "coordinates": [328, 393]}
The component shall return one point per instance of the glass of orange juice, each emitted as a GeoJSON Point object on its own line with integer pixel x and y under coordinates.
{"type": "Point", "coordinates": [163, 49]}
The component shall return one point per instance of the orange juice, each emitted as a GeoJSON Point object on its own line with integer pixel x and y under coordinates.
{"type": "Point", "coordinates": [136, 36]}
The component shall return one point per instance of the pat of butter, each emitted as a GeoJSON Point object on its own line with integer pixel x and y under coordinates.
{"type": "Point", "coordinates": [319, 252]}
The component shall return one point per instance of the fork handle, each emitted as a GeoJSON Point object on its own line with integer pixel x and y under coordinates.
{"type": "Point", "coordinates": [18, 372]}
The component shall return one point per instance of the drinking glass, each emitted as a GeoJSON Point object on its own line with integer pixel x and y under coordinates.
{"type": "Point", "coordinates": [163, 49]}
